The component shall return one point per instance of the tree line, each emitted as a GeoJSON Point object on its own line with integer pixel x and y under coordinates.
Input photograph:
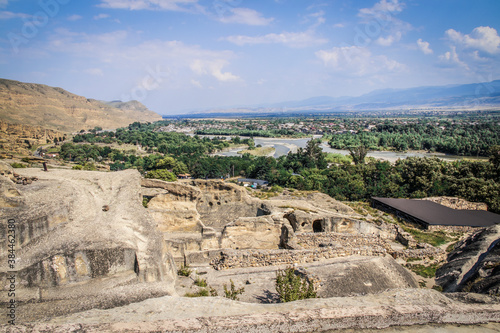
{"type": "Point", "coordinates": [456, 138]}
{"type": "Point", "coordinates": [307, 169]}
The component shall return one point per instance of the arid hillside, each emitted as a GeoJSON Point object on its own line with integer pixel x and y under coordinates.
{"type": "Point", "coordinates": [60, 110]}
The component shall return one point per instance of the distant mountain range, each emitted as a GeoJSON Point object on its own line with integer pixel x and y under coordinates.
{"type": "Point", "coordinates": [57, 109]}
{"type": "Point", "coordinates": [475, 96]}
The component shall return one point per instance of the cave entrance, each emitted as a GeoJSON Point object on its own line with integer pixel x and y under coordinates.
{"type": "Point", "coordinates": [318, 226]}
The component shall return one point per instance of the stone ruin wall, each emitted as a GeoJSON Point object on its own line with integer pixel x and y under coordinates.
{"type": "Point", "coordinates": [229, 259]}
{"type": "Point", "coordinates": [337, 245]}
{"type": "Point", "coordinates": [458, 203]}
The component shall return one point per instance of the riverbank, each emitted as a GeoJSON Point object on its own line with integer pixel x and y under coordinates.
{"type": "Point", "coordinates": [259, 151]}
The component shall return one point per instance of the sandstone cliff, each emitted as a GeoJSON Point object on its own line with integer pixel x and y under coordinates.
{"type": "Point", "coordinates": [58, 109]}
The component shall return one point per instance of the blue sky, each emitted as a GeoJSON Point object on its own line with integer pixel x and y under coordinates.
{"type": "Point", "coordinates": [180, 55]}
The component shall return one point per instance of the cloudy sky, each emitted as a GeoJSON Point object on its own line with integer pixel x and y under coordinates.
{"type": "Point", "coordinates": [180, 55]}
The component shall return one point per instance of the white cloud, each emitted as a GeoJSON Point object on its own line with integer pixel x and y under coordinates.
{"type": "Point", "coordinates": [111, 50]}
{"type": "Point", "coordinates": [384, 6]}
{"type": "Point", "coordinates": [245, 16]}
{"type": "Point", "coordinates": [214, 68]}
{"type": "Point", "coordinates": [389, 40]}
{"type": "Point", "coordinates": [424, 46]}
{"type": "Point", "coordinates": [101, 16]}
{"type": "Point", "coordinates": [196, 83]}
{"type": "Point", "coordinates": [95, 71]}
{"type": "Point", "coordinates": [357, 61]}
{"type": "Point", "coordinates": [381, 23]}
{"type": "Point", "coordinates": [4, 15]}
{"type": "Point", "coordinates": [318, 17]}
{"type": "Point", "coordinates": [172, 5]}
{"type": "Point", "coordinates": [74, 17]}
{"type": "Point", "coordinates": [291, 39]}
{"type": "Point", "coordinates": [339, 25]}
{"type": "Point", "coordinates": [451, 59]}
{"type": "Point", "coordinates": [485, 39]}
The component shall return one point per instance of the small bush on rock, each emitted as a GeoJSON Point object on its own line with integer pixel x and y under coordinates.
{"type": "Point", "coordinates": [292, 287]}
{"type": "Point", "coordinates": [200, 282]}
{"type": "Point", "coordinates": [233, 293]}
{"type": "Point", "coordinates": [184, 271]}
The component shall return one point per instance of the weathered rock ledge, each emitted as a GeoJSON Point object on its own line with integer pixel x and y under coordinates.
{"type": "Point", "coordinates": [172, 314]}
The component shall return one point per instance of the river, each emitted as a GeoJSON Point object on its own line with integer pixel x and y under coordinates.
{"type": "Point", "coordinates": [283, 146]}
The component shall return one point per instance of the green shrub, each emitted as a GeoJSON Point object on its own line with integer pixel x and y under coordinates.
{"type": "Point", "coordinates": [200, 282]}
{"type": "Point", "coordinates": [213, 292]}
{"type": "Point", "coordinates": [233, 293]}
{"type": "Point", "coordinates": [291, 287]}
{"type": "Point", "coordinates": [200, 293]}
{"type": "Point", "coordinates": [17, 165]}
{"type": "Point", "coordinates": [145, 201]}
{"type": "Point", "coordinates": [162, 174]}
{"type": "Point", "coordinates": [184, 271]}
{"type": "Point", "coordinates": [87, 166]}
{"type": "Point", "coordinates": [276, 188]}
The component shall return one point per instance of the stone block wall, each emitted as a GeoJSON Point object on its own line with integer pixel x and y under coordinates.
{"type": "Point", "coordinates": [315, 240]}
{"type": "Point", "coordinates": [259, 258]}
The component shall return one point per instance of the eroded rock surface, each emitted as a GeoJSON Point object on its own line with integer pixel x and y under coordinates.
{"type": "Point", "coordinates": [67, 245]}
{"type": "Point", "coordinates": [474, 264]}
{"type": "Point", "coordinates": [170, 314]}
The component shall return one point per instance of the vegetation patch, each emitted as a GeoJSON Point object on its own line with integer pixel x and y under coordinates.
{"type": "Point", "coordinates": [412, 259]}
{"type": "Point", "coordinates": [436, 238]}
{"type": "Point", "coordinates": [200, 293]}
{"type": "Point", "coordinates": [18, 165]}
{"type": "Point", "coordinates": [451, 247]}
{"type": "Point", "coordinates": [424, 271]}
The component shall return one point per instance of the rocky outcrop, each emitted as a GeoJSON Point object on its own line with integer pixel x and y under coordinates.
{"type": "Point", "coordinates": [77, 230]}
{"type": "Point", "coordinates": [474, 264]}
{"type": "Point", "coordinates": [191, 206]}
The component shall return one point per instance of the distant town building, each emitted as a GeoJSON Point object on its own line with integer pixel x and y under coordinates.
{"type": "Point", "coordinates": [253, 182]}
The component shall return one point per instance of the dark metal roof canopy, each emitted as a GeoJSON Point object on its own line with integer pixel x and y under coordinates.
{"type": "Point", "coordinates": [431, 213]}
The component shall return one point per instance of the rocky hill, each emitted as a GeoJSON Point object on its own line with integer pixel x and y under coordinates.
{"type": "Point", "coordinates": [58, 109]}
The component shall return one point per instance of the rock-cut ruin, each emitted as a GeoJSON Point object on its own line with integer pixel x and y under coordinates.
{"type": "Point", "coordinates": [89, 252]}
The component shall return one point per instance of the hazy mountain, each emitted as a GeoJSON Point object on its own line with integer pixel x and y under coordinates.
{"type": "Point", "coordinates": [455, 97]}
{"type": "Point", "coordinates": [58, 109]}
